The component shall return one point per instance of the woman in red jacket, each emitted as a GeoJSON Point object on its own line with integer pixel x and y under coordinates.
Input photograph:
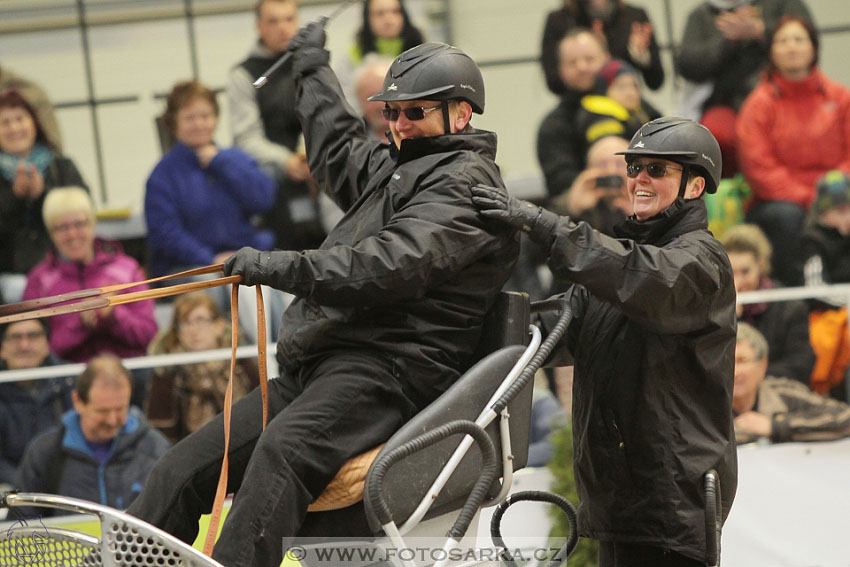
{"type": "Point", "coordinates": [793, 127]}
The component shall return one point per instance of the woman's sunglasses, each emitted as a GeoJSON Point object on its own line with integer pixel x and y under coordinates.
{"type": "Point", "coordinates": [655, 170]}
{"type": "Point", "coordinates": [413, 113]}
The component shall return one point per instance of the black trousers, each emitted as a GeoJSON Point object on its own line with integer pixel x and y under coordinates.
{"type": "Point", "coordinates": [340, 408]}
{"type": "Point", "coordinates": [612, 554]}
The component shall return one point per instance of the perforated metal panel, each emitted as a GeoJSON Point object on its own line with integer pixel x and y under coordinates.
{"type": "Point", "coordinates": [125, 541]}
{"type": "Point", "coordinates": [53, 547]}
{"type": "Point", "coordinates": [134, 546]}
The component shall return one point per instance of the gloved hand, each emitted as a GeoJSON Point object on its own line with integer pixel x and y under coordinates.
{"type": "Point", "coordinates": [250, 263]}
{"type": "Point", "coordinates": [308, 47]}
{"type": "Point", "coordinates": [311, 35]}
{"type": "Point", "coordinates": [495, 203]}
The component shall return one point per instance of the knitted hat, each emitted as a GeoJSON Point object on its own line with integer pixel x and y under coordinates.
{"type": "Point", "coordinates": [833, 190]}
{"type": "Point", "coordinates": [613, 69]}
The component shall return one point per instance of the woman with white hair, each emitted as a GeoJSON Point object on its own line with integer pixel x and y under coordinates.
{"type": "Point", "coordinates": [80, 260]}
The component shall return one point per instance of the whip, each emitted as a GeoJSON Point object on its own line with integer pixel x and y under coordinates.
{"type": "Point", "coordinates": [264, 78]}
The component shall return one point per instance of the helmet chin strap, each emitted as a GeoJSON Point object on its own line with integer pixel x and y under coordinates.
{"type": "Point", "coordinates": [447, 123]}
{"type": "Point", "coordinates": [683, 184]}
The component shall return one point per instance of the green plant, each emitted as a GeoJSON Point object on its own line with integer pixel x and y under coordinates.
{"type": "Point", "coordinates": [586, 553]}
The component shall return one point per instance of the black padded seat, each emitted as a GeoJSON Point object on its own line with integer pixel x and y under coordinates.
{"type": "Point", "coordinates": [504, 338]}
{"type": "Point", "coordinates": [409, 480]}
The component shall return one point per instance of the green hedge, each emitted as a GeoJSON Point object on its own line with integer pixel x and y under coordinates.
{"type": "Point", "coordinates": [586, 553]}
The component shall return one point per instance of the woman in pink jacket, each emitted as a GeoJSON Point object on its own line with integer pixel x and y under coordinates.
{"type": "Point", "coordinates": [794, 127]}
{"type": "Point", "coordinates": [79, 260]}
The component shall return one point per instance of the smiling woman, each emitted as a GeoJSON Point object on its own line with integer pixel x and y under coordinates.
{"type": "Point", "coordinates": [793, 128]}
{"type": "Point", "coordinates": [636, 294]}
{"type": "Point", "coordinates": [80, 260]}
{"type": "Point", "coordinates": [200, 198]}
{"type": "Point", "coordinates": [29, 169]}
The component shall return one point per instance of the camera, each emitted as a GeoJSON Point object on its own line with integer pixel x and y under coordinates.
{"type": "Point", "coordinates": [610, 182]}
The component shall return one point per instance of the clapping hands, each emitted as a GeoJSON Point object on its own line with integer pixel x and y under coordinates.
{"type": "Point", "coordinates": [744, 23]}
{"type": "Point", "coordinates": [28, 184]}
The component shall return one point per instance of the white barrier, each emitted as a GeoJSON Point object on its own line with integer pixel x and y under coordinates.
{"type": "Point", "coordinates": [838, 291]}
{"type": "Point", "coordinates": [151, 361]}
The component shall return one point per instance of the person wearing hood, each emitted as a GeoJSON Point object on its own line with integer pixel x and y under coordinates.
{"type": "Point", "coordinates": [103, 450]}
{"type": "Point", "coordinates": [30, 167]}
{"type": "Point", "coordinates": [615, 106]}
{"type": "Point", "coordinates": [560, 146]}
{"type": "Point", "coordinates": [652, 340]}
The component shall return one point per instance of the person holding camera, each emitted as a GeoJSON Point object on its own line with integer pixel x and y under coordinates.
{"type": "Point", "coordinates": [598, 195]}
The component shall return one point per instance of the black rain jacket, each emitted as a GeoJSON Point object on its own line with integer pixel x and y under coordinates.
{"type": "Point", "coordinates": [411, 269]}
{"type": "Point", "coordinates": [653, 341]}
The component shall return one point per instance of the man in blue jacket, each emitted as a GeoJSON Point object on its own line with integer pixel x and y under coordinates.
{"type": "Point", "coordinates": [103, 450]}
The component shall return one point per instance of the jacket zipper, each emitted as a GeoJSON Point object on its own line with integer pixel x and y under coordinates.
{"type": "Point", "coordinates": [620, 442]}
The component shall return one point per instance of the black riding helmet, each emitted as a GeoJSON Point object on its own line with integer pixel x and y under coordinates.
{"type": "Point", "coordinates": [682, 141]}
{"type": "Point", "coordinates": [434, 71]}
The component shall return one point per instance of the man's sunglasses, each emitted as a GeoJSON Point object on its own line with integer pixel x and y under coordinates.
{"type": "Point", "coordinates": [413, 113]}
{"type": "Point", "coordinates": [655, 170]}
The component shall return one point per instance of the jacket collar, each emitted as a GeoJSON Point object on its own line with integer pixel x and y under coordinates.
{"type": "Point", "coordinates": [261, 51]}
{"type": "Point", "coordinates": [184, 153]}
{"type": "Point", "coordinates": [478, 141]}
{"type": "Point", "coordinates": [47, 388]}
{"type": "Point", "coordinates": [74, 438]}
{"type": "Point", "coordinates": [681, 217]}
{"type": "Point", "coordinates": [571, 99]}
{"type": "Point", "coordinates": [104, 252]}
{"type": "Point", "coordinates": [813, 83]}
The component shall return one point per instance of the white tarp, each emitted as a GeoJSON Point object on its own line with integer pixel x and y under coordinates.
{"type": "Point", "coordinates": [792, 508]}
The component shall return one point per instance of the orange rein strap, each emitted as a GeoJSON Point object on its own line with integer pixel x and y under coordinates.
{"type": "Point", "coordinates": [98, 298]}
{"type": "Point", "coordinates": [221, 490]}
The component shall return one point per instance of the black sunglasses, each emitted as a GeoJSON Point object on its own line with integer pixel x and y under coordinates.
{"type": "Point", "coordinates": [413, 113]}
{"type": "Point", "coordinates": [655, 170]}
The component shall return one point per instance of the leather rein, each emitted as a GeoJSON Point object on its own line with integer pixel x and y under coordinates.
{"type": "Point", "coordinates": [107, 296]}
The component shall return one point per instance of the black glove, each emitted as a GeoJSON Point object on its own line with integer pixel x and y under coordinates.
{"type": "Point", "coordinates": [495, 203]}
{"type": "Point", "coordinates": [249, 263]}
{"type": "Point", "coordinates": [311, 35]}
{"type": "Point", "coordinates": [308, 47]}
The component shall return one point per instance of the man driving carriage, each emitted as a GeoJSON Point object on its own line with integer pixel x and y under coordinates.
{"type": "Point", "coordinates": [388, 311]}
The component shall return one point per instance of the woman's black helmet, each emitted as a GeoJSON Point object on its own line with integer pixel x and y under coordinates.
{"type": "Point", "coordinates": [683, 141]}
{"type": "Point", "coordinates": [434, 71]}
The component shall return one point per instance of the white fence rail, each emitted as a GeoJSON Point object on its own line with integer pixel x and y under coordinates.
{"type": "Point", "coordinates": [835, 292]}
{"type": "Point", "coordinates": [153, 361]}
